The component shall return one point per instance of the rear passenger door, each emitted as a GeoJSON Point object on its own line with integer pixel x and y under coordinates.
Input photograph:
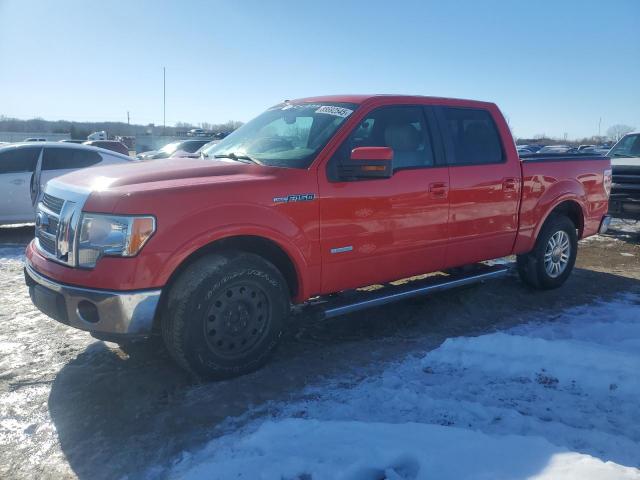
{"type": "Point", "coordinates": [377, 230]}
{"type": "Point", "coordinates": [484, 187]}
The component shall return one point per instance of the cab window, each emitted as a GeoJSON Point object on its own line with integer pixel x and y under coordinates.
{"type": "Point", "coordinates": [472, 136]}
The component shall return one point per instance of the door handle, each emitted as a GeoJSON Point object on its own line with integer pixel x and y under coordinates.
{"type": "Point", "coordinates": [17, 181]}
{"type": "Point", "coordinates": [438, 189]}
{"type": "Point", "coordinates": [510, 184]}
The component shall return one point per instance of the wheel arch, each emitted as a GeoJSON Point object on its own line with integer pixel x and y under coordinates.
{"type": "Point", "coordinates": [260, 245]}
{"type": "Point", "coordinates": [570, 208]}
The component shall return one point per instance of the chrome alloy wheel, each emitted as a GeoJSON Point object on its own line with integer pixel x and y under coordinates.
{"type": "Point", "coordinates": [557, 254]}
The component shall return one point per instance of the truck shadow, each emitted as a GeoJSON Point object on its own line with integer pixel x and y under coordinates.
{"type": "Point", "coordinates": [119, 414]}
{"type": "Point", "coordinates": [16, 234]}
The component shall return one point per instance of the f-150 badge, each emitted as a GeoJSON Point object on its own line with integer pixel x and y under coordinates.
{"type": "Point", "coordinates": [297, 197]}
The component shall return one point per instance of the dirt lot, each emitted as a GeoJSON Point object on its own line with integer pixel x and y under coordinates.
{"type": "Point", "coordinates": [71, 406]}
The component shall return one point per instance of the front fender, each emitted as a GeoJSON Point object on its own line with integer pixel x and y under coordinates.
{"type": "Point", "coordinates": [295, 232]}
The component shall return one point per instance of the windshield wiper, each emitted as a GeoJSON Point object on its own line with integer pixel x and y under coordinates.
{"type": "Point", "coordinates": [621, 155]}
{"type": "Point", "coordinates": [240, 158]}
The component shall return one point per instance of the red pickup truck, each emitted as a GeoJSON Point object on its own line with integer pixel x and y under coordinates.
{"type": "Point", "coordinates": [304, 205]}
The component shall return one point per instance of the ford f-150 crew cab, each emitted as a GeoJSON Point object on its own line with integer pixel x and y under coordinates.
{"type": "Point", "coordinates": [304, 205]}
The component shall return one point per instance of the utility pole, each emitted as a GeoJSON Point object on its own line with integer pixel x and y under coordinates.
{"type": "Point", "coordinates": [164, 102]}
{"type": "Point", "coordinates": [599, 123]}
{"type": "Point", "coordinates": [128, 118]}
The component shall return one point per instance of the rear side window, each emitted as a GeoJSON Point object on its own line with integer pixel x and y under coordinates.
{"type": "Point", "coordinates": [67, 158]}
{"type": "Point", "coordinates": [473, 138]}
{"type": "Point", "coordinates": [19, 160]}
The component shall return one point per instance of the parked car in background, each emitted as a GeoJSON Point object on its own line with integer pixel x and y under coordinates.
{"type": "Point", "coordinates": [523, 150]}
{"type": "Point", "coordinates": [197, 153]}
{"type": "Point", "coordinates": [312, 198]}
{"type": "Point", "coordinates": [197, 132]}
{"type": "Point", "coordinates": [625, 191]}
{"type": "Point", "coordinates": [35, 139]}
{"type": "Point", "coordinates": [534, 147]}
{"type": "Point", "coordinates": [25, 168]}
{"type": "Point", "coordinates": [596, 150]}
{"type": "Point", "coordinates": [101, 135]}
{"type": "Point", "coordinates": [109, 145]}
{"type": "Point", "coordinates": [556, 149]}
{"type": "Point", "coordinates": [586, 147]}
{"type": "Point", "coordinates": [187, 146]}
{"type": "Point", "coordinates": [72, 140]}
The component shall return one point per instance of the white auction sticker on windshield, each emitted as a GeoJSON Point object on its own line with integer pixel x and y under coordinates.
{"type": "Point", "coordinates": [335, 111]}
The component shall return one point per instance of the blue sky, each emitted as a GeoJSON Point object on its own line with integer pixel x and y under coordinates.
{"type": "Point", "coordinates": [554, 67]}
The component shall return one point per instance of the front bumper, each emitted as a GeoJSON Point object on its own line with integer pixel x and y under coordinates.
{"type": "Point", "coordinates": [106, 314]}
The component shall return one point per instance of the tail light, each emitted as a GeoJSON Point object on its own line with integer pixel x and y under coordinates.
{"type": "Point", "coordinates": [607, 181]}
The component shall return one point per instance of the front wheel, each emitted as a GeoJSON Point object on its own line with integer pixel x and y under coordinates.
{"type": "Point", "coordinates": [225, 314]}
{"type": "Point", "coordinates": [551, 261]}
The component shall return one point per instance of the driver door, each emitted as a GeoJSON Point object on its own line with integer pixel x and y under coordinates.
{"type": "Point", "coordinates": [379, 230]}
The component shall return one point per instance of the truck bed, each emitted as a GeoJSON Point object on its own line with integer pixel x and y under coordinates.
{"type": "Point", "coordinates": [559, 157]}
{"type": "Point", "coordinates": [548, 177]}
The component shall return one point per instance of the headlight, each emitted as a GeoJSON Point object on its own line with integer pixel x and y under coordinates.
{"type": "Point", "coordinates": [114, 235]}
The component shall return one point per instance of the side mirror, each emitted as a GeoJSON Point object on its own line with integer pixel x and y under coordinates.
{"type": "Point", "coordinates": [368, 162]}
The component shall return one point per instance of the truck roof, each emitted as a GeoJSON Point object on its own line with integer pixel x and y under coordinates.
{"type": "Point", "coordinates": [361, 98]}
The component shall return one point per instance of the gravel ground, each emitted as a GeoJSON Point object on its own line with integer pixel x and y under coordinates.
{"type": "Point", "coordinates": [74, 407]}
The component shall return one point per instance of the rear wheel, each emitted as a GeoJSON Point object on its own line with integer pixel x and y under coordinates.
{"type": "Point", "coordinates": [225, 315]}
{"type": "Point", "coordinates": [551, 261]}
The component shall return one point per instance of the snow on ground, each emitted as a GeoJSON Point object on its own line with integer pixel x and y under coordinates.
{"type": "Point", "coordinates": [10, 255]}
{"type": "Point", "coordinates": [545, 400]}
{"type": "Point", "coordinates": [622, 225]}
{"type": "Point", "coordinates": [620, 230]}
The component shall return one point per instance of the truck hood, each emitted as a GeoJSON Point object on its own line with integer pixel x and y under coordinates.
{"type": "Point", "coordinates": [169, 172]}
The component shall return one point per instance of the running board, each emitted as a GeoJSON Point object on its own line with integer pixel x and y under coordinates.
{"type": "Point", "coordinates": [354, 301]}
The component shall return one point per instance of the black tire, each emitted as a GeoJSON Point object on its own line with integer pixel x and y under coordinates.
{"type": "Point", "coordinates": [531, 266]}
{"type": "Point", "coordinates": [225, 315]}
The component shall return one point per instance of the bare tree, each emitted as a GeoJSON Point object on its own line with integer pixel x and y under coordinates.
{"type": "Point", "coordinates": [616, 132]}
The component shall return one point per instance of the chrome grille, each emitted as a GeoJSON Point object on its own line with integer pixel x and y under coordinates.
{"type": "Point", "coordinates": [57, 218]}
{"type": "Point", "coordinates": [53, 203]}
{"type": "Point", "coordinates": [46, 242]}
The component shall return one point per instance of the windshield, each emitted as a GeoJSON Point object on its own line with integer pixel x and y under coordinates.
{"type": "Point", "coordinates": [628, 146]}
{"type": "Point", "coordinates": [287, 135]}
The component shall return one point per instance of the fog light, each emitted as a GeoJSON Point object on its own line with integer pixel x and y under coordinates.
{"type": "Point", "coordinates": [88, 312]}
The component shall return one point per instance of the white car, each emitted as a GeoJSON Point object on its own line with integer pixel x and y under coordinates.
{"type": "Point", "coordinates": [26, 167]}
